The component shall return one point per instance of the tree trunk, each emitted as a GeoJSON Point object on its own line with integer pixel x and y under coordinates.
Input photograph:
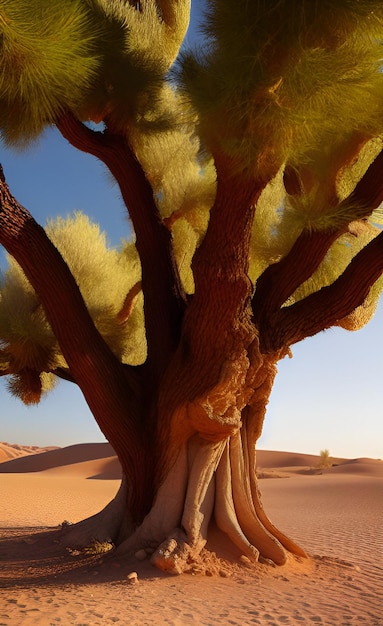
{"type": "Point", "coordinates": [209, 483]}
{"type": "Point", "coordinates": [220, 483]}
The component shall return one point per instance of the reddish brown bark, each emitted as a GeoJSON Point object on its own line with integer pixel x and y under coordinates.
{"type": "Point", "coordinates": [209, 368]}
{"type": "Point", "coordinates": [331, 304]}
{"type": "Point", "coordinates": [368, 193]}
{"type": "Point", "coordinates": [280, 280]}
{"type": "Point", "coordinates": [164, 301]}
{"type": "Point", "coordinates": [282, 326]}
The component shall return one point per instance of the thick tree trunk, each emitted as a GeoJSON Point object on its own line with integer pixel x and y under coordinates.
{"type": "Point", "coordinates": [220, 485]}
{"type": "Point", "coordinates": [210, 483]}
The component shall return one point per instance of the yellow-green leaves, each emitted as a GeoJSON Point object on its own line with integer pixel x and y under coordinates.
{"type": "Point", "coordinates": [279, 79]}
{"type": "Point", "coordinates": [138, 47]}
{"type": "Point", "coordinates": [47, 61]}
{"type": "Point", "coordinates": [24, 332]}
{"type": "Point", "coordinates": [28, 385]}
{"type": "Point", "coordinates": [105, 276]}
{"type": "Point", "coordinates": [28, 349]}
{"type": "Point", "coordinates": [98, 58]}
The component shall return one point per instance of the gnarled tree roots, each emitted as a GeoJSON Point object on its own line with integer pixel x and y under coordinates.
{"type": "Point", "coordinates": [210, 483]}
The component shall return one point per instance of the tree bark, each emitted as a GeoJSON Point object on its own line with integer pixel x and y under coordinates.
{"type": "Point", "coordinates": [165, 300]}
{"type": "Point", "coordinates": [213, 482]}
{"type": "Point", "coordinates": [329, 305]}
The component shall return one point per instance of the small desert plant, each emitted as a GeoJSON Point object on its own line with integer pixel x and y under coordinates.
{"type": "Point", "coordinates": [325, 459]}
{"type": "Point", "coordinates": [97, 547]}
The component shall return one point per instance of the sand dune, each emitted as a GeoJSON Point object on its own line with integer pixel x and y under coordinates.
{"type": "Point", "coordinates": [271, 459]}
{"type": "Point", "coordinates": [97, 460]}
{"type": "Point", "coordinates": [12, 451]}
{"type": "Point", "coordinates": [335, 514]}
{"type": "Point", "coordinates": [107, 468]}
{"type": "Point", "coordinates": [58, 457]}
{"type": "Point", "coordinates": [363, 466]}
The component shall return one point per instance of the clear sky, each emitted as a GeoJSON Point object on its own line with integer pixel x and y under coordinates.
{"type": "Point", "coordinates": [327, 396]}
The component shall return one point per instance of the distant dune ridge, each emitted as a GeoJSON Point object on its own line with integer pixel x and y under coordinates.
{"type": "Point", "coordinates": [93, 457]}
{"type": "Point", "coordinates": [98, 460]}
{"type": "Point", "coordinates": [10, 451]}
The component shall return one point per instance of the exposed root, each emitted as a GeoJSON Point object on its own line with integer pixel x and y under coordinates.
{"type": "Point", "coordinates": [210, 481]}
{"type": "Point", "coordinates": [166, 512]}
{"type": "Point", "coordinates": [267, 544]}
{"type": "Point", "coordinates": [288, 543]}
{"type": "Point", "coordinates": [199, 502]}
{"type": "Point", "coordinates": [175, 554]}
{"type": "Point", "coordinates": [291, 546]}
{"type": "Point", "coordinates": [221, 482]}
{"type": "Point", "coordinates": [183, 546]}
{"type": "Point", "coordinates": [225, 513]}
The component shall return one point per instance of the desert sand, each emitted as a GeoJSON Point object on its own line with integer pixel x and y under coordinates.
{"type": "Point", "coordinates": [335, 514]}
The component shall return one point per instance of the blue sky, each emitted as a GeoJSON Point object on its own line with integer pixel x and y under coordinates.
{"type": "Point", "coordinates": [327, 396]}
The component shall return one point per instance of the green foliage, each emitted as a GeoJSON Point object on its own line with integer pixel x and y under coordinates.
{"type": "Point", "coordinates": [105, 276]}
{"type": "Point", "coordinates": [276, 90]}
{"type": "Point", "coordinates": [270, 242]}
{"type": "Point", "coordinates": [275, 81]}
{"type": "Point", "coordinates": [28, 348]}
{"type": "Point", "coordinates": [183, 182]}
{"type": "Point", "coordinates": [276, 228]}
{"type": "Point", "coordinates": [48, 59]}
{"type": "Point", "coordinates": [97, 58]}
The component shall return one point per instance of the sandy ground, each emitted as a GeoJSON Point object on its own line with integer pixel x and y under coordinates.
{"type": "Point", "coordinates": [336, 515]}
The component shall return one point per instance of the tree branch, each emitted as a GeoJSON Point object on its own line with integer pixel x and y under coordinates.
{"type": "Point", "coordinates": [175, 14]}
{"type": "Point", "coordinates": [220, 265]}
{"type": "Point", "coordinates": [280, 280]}
{"type": "Point", "coordinates": [368, 193]}
{"type": "Point", "coordinates": [223, 256]}
{"type": "Point", "coordinates": [129, 302]}
{"type": "Point", "coordinates": [324, 308]}
{"type": "Point", "coordinates": [110, 398]}
{"type": "Point", "coordinates": [164, 297]}
{"type": "Point", "coordinates": [65, 374]}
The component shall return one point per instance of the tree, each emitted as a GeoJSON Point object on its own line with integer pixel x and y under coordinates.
{"type": "Point", "coordinates": [251, 172]}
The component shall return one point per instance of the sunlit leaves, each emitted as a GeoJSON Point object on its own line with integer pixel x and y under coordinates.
{"type": "Point", "coordinates": [48, 60]}
{"type": "Point", "coordinates": [275, 81]}
{"type": "Point", "coordinates": [29, 385]}
{"type": "Point", "coordinates": [100, 59]}
{"type": "Point", "coordinates": [104, 275]}
{"type": "Point", "coordinates": [29, 350]}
